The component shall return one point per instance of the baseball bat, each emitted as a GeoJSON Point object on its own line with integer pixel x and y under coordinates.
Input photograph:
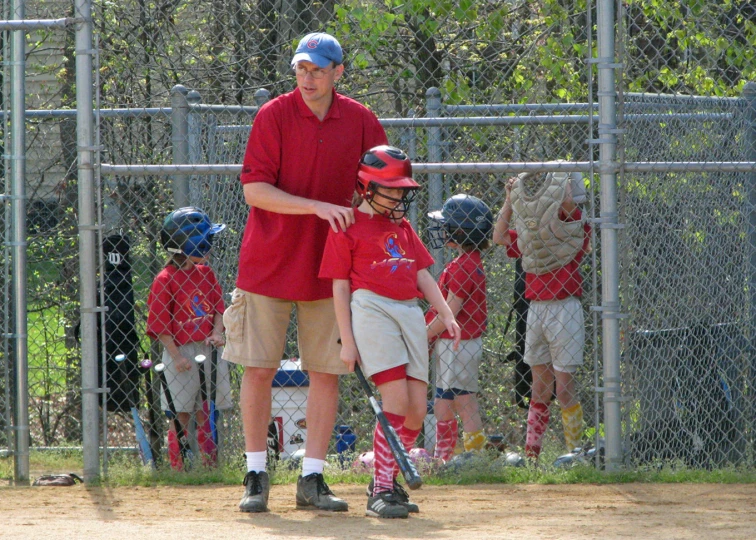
{"type": "Point", "coordinates": [207, 426]}
{"type": "Point", "coordinates": [184, 448]}
{"type": "Point", "coordinates": [213, 389]}
{"type": "Point", "coordinates": [406, 466]}
{"type": "Point", "coordinates": [143, 444]}
{"type": "Point", "coordinates": [145, 450]}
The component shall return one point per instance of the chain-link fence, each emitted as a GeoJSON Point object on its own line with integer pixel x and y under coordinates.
{"type": "Point", "coordinates": [687, 238]}
{"type": "Point", "coordinates": [481, 92]}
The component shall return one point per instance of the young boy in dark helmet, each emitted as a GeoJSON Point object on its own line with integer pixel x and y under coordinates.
{"type": "Point", "coordinates": [186, 315]}
{"type": "Point", "coordinates": [464, 223]}
{"type": "Point", "coordinates": [379, 269]}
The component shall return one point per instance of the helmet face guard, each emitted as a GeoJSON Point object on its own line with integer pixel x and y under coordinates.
{"type": "Point", "coordinates": [386, 167]}
{"type": "Point", "coordinates": [464, 220]}
{"type": "Point", "coordinates": [189, 231]}
{"type": "Point", "coordinates": [397, 208]}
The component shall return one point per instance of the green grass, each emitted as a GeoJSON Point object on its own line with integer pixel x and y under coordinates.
{"type": "Point", "coordinates": [126, 470]}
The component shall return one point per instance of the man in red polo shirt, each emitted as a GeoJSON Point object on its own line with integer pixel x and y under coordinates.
{"type": "Point", "coordinates": [298, 175]}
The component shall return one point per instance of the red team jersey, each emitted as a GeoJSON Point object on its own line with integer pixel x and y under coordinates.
{"type": "Point", "coordinates": [465, 277]}
{"type": "Point", "coordinates": [559, 284]}
{"type": "Point", "coordinates": [280, 253]}
{"type": "Point", "coordinates": [182, 303]}
{"type": "Point", "coordinates": [378, 255]}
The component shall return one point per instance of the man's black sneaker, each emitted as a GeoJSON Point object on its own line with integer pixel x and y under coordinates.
{"type": "Point", "coordinates": [256, 491]}
{"type": "Point", "coordinates": [313, 492]}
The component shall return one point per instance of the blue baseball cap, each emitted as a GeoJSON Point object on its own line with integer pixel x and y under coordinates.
{"type": "Point", "coordinates": [320, 49]}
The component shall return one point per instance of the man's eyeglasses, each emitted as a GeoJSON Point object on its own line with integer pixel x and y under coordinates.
{"type": "Point", "coordinates": [317, 73]}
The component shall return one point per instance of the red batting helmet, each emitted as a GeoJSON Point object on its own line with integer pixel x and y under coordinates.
{"type": "Point", "coordinates": [388, 167]}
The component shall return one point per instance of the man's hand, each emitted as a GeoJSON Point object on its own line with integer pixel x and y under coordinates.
{"type": "Point", "coordinates": [338, 216]}
{"type": "Point", "coordinates": [268, 197]}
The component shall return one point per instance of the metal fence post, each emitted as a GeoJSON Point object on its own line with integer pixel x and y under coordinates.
{"type": "Point", "coordinates": [180, 141]}
{"type": "Point", "coordinates": [194, 144]}
{"type": "Point", "coordinates": [262, 96]}
{"type": "Point", "coordinates": [87, 246]}
{"type": "Point", "coordinates": [409, 145]}
{"type": "Point", "coordinates": [18, 216]}
{"type": "Point", "coordinates": [435, 180]}
{"type": "Point", "coordinates": [194, 127]}
{"type": "Point", "coordinates": [749, 94]}
{"type": "Point", "coordinates": [610, 305]}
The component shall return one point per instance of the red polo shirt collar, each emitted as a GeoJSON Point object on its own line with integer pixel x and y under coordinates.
{"type": "Point", "coordinates": [334, 111]}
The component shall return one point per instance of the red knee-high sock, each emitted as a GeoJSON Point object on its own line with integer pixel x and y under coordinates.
{"type": "Point", "coordinates": [447, 432]}
{"type": "Point", "coordinates": [383, 475]}
{"type": "Point", "coordinates": [538, 421]}
{"type": "Point", "coordinates": [206, 444]}
{"type": "Point", "coordinates": [408, 437]}
{"type": "Point", "coordinates": [174, 454]}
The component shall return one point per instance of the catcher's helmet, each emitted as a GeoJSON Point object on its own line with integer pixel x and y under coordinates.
{"type": "Point", "coordinates": [388, 167]}
{"type": "Point", "coordinates": [464, 220]}
{"type": "Point", "coordinates": [189, 231]}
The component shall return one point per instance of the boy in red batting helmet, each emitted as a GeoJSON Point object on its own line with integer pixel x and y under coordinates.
{"type": "Point", "coordinates": [379, 269]}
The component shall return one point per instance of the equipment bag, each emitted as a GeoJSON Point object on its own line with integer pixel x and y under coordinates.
{"type": "Point", "coordinates": [69, 479]}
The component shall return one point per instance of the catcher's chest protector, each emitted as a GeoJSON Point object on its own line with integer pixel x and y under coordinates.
{"type": "Point", "coordinates": [545, 241]}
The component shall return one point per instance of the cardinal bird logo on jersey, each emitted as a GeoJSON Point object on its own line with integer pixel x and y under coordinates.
{"type": "Point", "coordinates": [395, 253]}
{"type": "Point", "coordinates": [199, 307]}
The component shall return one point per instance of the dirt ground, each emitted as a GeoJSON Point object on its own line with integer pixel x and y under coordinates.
{"type": "Point", "coordinates": [669, 511]}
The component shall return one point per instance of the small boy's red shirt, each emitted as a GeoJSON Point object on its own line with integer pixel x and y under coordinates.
{"type": "Point", "coordinates": [465, 277]}
{"type": "Point", "coordinates": [183, 303]}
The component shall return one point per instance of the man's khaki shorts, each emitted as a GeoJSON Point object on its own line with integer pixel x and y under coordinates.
{"type": "Point", "coordinates": [256, 332]}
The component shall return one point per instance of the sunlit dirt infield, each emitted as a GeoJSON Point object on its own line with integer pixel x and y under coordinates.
{"type": "Point", "coordinates": [679, 511]}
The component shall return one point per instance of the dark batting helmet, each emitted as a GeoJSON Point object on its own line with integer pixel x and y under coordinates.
{"type": "Point", "coordinates": [464, 220]}
{"type": "Point", "coordinates": [388, 167]}
{"type": "Point", "coordinates": [189, 231]}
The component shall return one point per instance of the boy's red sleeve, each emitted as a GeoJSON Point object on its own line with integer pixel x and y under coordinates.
{"type": "Point", "coordinates": [423, 258]}
{"type": "Point", "coordinates": [459, 281]}
{"type": "Point", "coordinates": [220, 306]}
{"type": "Point", "coordinates": [159, 304]}
{"type": "Point", "coordinates": [513, 250]}
{"type": "Point", "coordinates": [337, 256]}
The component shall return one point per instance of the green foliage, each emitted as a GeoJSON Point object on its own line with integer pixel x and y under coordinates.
{"type": "Point", "coordinates": [690, 47]}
